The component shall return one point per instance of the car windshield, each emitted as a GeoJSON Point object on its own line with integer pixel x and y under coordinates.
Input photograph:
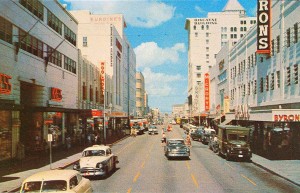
{"type": "Point", "coordinates": [32, 187]}
{"type": "Point", "coordinates": [237, 137]}
{"type": "Point", "coordinates": [176, 142]}
{"type": "Point", "coordinates": [93, 153]}
{"type": "Point", "coordinates": [54, 185]}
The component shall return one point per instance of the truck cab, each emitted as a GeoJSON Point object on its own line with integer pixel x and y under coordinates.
{"type": "Point", "coordinates": [234, 142]}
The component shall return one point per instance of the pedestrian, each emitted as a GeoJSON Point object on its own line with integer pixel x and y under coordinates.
{"type": "Point", "coordinates": [68, 142]}
{"type": "Point", "coordinates": [164, 139]}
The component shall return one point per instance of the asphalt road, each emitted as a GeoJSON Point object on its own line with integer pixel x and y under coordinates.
{"type": "Point", "coordinates": [144, 168]}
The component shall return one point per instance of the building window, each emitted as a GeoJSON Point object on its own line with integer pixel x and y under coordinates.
{"type": "Point", "coordinates": [35, 7]}
{"type": "Point", "coordinates": [97, 95]}
{"type": "Point", "coordinates": [207, 27]}
{"type": "Point", "coordinates": [207, 49]}
{"type": "Point", "coordinates": [84, 41]}
{"type": "Point", "coordinates": [30, 44]}
{"type": "Point", "coordinates": [254, 87]}
{"type": "Point", "coordinates": [272, 47]}
{"type": "Point", "coordinates": [207, 56]}
{"type": "Point", "coordinates": [296, 74]}
{"type": "Point", "coordinates": [198, 67]}
{"type": "Point", "coordinates": [207, 41]}
{"type": "Point", "coordinates": [84, 92]}
{"type": "Point", "coordinates": [261, 85]}
{"type": "Point", "coordinates": [288, 75]}
{"type": "Point", "coordinates": [195, 27]}
{"type": "Point", "coordinates": [54, 56]}
{"type": "Point", "coordinates": [198, 75]}
{"type": "Point", "coordinates": [70, 65]}
{"type": "Point", "coordinates": [278, 79]}
{"type": "Point", "coordinates": [267, 83]}
{"type": "Point", "coordinates": [207, 34]}
{"type": "Point", "coordinates": [70, 35]}
{"type": "Point", "coordinates": [5, 30]}
{"type": "Point", "coordinates": [288, 36]}
{"type": "Point", "coordinates": [196, 34]}
{"type": "Point", "coordinates": [248, 88]}
{"type": "Point", "coordinates": [278, 44]}
{"type": "Point", "coordinates": [54, 22]}
{"type": "Point", "coordinates": [91, 93]}
{"type": "Point", "coordinates": [296, 33]}
{"type": "Point", "coordinates": [272, 81]}
{"type": "Point", "coordinates": [202, 27]}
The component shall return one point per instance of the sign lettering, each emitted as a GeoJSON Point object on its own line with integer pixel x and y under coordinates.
{"type": "Point", "coordinates": [263, 26]}
{"type": "Point", "coordinates": [5, 85]}
{"type": "Point", "coordinates": [287, 118]}
{"type": "Point", "coordinates": [206, 93]}
{"type": "Point", "coordinates": [56, 94]}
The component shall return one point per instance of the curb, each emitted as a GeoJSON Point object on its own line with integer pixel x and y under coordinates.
{"type": "Point", "coordinates": [277, 174]}
{"type": "Point", "coordinates": [69, 164]}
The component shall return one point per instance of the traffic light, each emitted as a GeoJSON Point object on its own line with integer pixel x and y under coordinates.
{"type": "Point", "coordinates": [296, 77]}
{"type": "Point", "coordinates": [288, 77]}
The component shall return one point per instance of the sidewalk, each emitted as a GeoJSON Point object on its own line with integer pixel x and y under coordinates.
{"type": "Point", "coordinates": [287, 169]}
{"type": "Point", "coordinates": [13, 174]}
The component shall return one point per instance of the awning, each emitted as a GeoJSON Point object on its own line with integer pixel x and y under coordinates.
{"type": "Point", "coordinates": [226, 122]}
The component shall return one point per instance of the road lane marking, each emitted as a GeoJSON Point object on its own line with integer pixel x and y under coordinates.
{"type": "Point", "coordinates": [121, 150]}
{"type": "Point", "coordinates": [187, 165]}
{"type": "Point", "coordinates": [129, 190]}
{"type": "Point", "coordinates": [230, 166]}
{"type": "Point", "coordinates": [136, 176]}
{"type": "Point", "coordinates": [248, 179]}
{"type": "Point", "coordinates": [195, 181]}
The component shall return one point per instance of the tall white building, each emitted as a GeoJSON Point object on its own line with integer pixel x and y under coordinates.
{"type": "Point", "coordinates": [102, 41]}
{"type": "Point", "coordinates": [206, 36]}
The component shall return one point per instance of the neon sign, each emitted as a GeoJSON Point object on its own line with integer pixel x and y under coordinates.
{"type": "Point", "coordinates": [206, 91]}
{"type": "Point", "coordinates": [5, 85]}
{"type": "Point", "coordinates": [263, 26]}
{"type": "Point", "coordinates": [56, 94]}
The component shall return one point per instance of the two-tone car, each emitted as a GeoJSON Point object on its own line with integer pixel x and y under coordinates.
{"type": "Point", "coordinates": [152, 130]}
{"type": "Point", "coordinates": [97, 160]}
{"type": "Point", "coordinates": [56, 181]}
{"type": "Point", "coordinates": [176, 148]}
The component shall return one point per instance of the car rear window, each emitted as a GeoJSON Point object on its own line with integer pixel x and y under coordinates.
{"type": "Point", "coordinates": [54, 185]}
{"type": "Point", "coordinates": [32, 187]}
{"type": "Point", "coordinates": [93, 153]}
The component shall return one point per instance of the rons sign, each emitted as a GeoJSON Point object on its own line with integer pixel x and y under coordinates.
{"type": "Point", "coordinates": [263, 26]}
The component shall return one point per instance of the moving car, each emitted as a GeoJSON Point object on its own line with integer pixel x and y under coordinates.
{"type": "Point", "coordinates": [56, 181]}
{"type": "Point", "coordinates": [152, 130]}
{"type": "Point", "coordinates": [176, 148]}
{"type": "Point", "coordinates": [97, 160]}
{"type": "Point", "coordinates": [234, 142]}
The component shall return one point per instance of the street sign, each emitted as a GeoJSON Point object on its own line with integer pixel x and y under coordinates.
{"type": "Point", "coordinates": [50, 138]}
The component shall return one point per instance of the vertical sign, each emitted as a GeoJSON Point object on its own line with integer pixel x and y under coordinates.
{"type": "Point", "coordinates": [263, 26]}
{"type": "Point", "coordinates": [206, 91]}
{"type": "Point", "coordinates": [5, 85]}
{"type": "Point", "coordinates": [102, 80]}
{"type": "Point", "coordinates": [56, 94]}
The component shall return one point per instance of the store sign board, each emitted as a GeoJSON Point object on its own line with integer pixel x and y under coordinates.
{"type": "Point", "coordinates": [56, 94]}
{"type": "Point", "coordinates": [263, 26]}
{"type": "Point", "coordinates": [5, 85]}
{"type": "Point", "coordinates": [206, 91]}
{"type": "Point", "coordinates": [102, 77]}
{"type": "Point", "coordinates": [286, 117]}
{"type": "Point", "coordinates": [92, 113]}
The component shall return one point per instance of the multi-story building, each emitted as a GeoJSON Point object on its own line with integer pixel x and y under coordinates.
{"type": "Point", "coordinates": [38, 74]}
{"type": "Point", "coordinates": [206, 36]}
{"type": "Point", "coordinates": [263, 90]}
{"type": "Point", "coordinates": [103, 42]}
{"type": "Point", "coordinates": [178, 110]}
{"type": "Point", "coordinates": [140, 94]}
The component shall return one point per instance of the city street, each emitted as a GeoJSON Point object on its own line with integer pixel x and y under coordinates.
{"type": "Point", "coordinates": [144, 168]}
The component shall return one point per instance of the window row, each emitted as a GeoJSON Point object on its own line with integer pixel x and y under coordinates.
{"type": "Point", "coordinates": [70, 65]}
{"type": "Point", "coordinates": [292, 35]}
{"type": "Point", "coordinates": [54, 22]}
{"type": "Point", "coordinates": [35, 7]}
{"type": "Point", "coordinates": [70, 35]}
{"type": "Point", "coordinates": [202, 27]}
{"type": "Point", "coordinates": [92, 94]}
{"type": "Point", "coordinates": [242, 66]}
{"type": "Point", "coordinates": [5, 30]}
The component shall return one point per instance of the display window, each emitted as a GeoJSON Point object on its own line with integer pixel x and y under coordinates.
{"type": "Point", "coordinates": [5, 135]}
{"type": "Point", "coordinates": [53, 123]}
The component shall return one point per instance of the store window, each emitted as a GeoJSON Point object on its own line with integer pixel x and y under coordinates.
{"type": "Point", "coordinates": [53, 123]}
{"type": "Point", "coordinates": [5, 135]}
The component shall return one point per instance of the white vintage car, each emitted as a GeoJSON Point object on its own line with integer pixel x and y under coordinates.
{"type": "Point", "coordinates": [97, 160]}
{"type": "Point", "coordinates": [56, 181]}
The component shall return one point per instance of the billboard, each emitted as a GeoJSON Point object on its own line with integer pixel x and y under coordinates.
{"type": "Point", "coordinates": [263, 26]}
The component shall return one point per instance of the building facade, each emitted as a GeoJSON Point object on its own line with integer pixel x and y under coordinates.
{"type": "Point", "coordinates": [263, 90]}
{"type": "Point", "coordinates": [178, 110]}
{"type": "Point", "coordinates": [140, 94]}
{"type": "Point", "coordinates": [206, 36]}
{"type": "Point", "coordinates": [103, 42]}
{"type": "Point", "coordinates": [38, 69]}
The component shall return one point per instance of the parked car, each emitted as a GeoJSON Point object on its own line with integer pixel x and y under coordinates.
{"type": "Point", "coordinates": [213, 143]}
{"type": "Point", "coordinates": [234, 142]}
{"type": "Point", "coordinates": [97, 160]}
{"type": "Point", "coordinates": [176, 148]}
{"type": "Point", "coordinates": [197, 135]}
{"type": "Point", "coordinates": [56, 181]}
{"type": "Point", "coordinates": [207, 134]}
{"type": "Point", "coordinates": [152, 130]}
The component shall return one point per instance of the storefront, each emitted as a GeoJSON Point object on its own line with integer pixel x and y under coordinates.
{"type": "Point", "coordinates": [275, 132]}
